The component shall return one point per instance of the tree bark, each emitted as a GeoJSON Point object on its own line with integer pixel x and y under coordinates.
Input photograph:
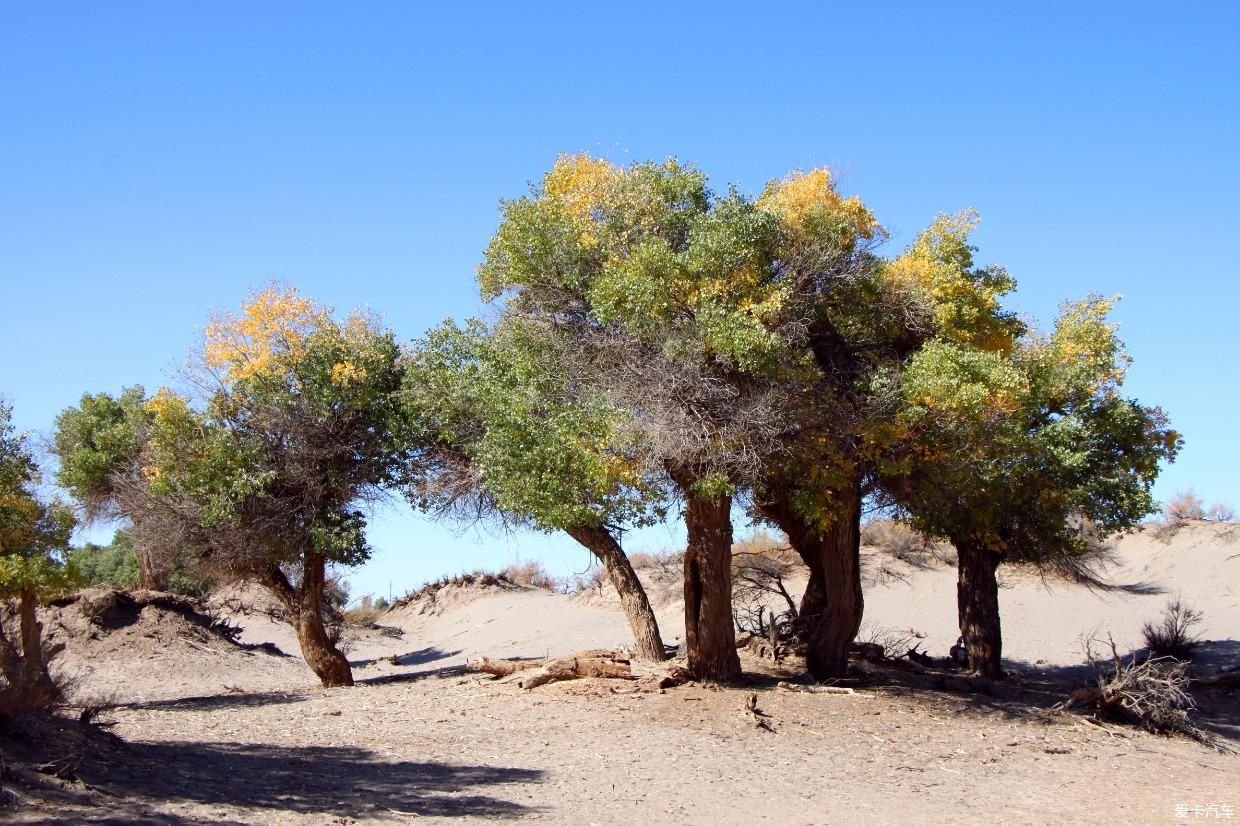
{"type": "Point", "coordinates": [806, 544]}
{"type": "Point", "coordinates": [153, 573]}
{"type": "Point", "coordinates": [832, 605]}
{"type": "Point", "coordinates": [304, 605]}
{"type": "Point", "coordinates": [37, 689]}
{"type": "Point", "coordinates": [637, 610]}
{"type": "Point", "coordinates": [840, 554]}
{"type": "Point", "coordinates": [977, 605]}
{"type": "Point", "coordinates": [709, 638]}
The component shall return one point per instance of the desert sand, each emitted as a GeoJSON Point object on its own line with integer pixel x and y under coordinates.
{"type": "Point", "coordinates": [218, 733]}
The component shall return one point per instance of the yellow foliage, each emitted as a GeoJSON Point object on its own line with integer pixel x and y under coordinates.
{"type": "Point", "coordinates": [937, 269]}
{"type": "Point", "coordinates": [167, 404]}
{"type": "Point", "coordinates": [346, 373]}
{"type": "Point", "coordinates": [269, 336]}
{"type": "Point", "coordinates": [804, 199]}
{"type": "Point", "coordinates": [582, 184]}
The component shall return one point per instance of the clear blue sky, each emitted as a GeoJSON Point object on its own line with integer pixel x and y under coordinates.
{"type": "Point", "coordinates": [157, 160]}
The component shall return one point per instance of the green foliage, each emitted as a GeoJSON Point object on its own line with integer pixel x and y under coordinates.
{"type": "Point", "coordinates": [33, 532]}
{"type": "Point", "coordinates": [546, 451]}
{"type": "Point", "coordinates": [1030, 453]}
{"type": "Point", "coordinates": [115, 565]}
{"type": "Point", "coordinates": [98, 439]}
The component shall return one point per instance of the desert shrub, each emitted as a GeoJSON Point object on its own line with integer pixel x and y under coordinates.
{"type": "Point", "coordinates": [1172, 635]}
{"type": "Point", "coordinates": [364, 613]}
{"type": "Point", "coordinates": [1184, 506]}
{"type": "Point", "coordinates": [894, 642]}
{"type": "Point", "coordinates": [115, 565]}
{"type": "Point", "coordinates": [899, 540]}
{"type": "Point", "coordinates": [654, 559]}
{"type": "Point", "coordinates": [531, 573]}
{"type": "Point", "coordinates": [761, 567]}
{"type": "Point", "coordinates": [1151, 693]}
{"type": "Point", "coordinates": [382, 604]}
{"type": "Point", "coordinates": [1218, 512]}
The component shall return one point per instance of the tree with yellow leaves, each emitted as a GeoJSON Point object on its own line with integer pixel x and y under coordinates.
{"type": "Point", "coordinates": [294, 423]}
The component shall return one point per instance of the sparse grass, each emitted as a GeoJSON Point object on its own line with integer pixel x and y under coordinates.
{"type": "Point", "coordinates": [897, 539]}
{"type": "Point", "coordinates": [1172, 635]}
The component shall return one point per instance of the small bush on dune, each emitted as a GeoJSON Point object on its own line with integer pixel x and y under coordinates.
{"type": "Point", "coordinates": [654, 559]}
{"type": "Point", "coordinates": [1218, 512]}
{"type": "Point", "coordinates": [1172, 636]}
{"type": "Point", "coordinates": [364, 613]}
{"type": "Point", "coordinates": [1184, 506]}
{"type": "Point", "coordinates": [899, 540]}
{"type": "Point", "coordinates": [531, 573]}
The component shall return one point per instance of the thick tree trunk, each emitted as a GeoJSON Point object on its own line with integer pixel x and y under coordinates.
{"type": "Point", "coordinates": [709, 637]}
{"type": "Point", "coordinates": [977, 604]}
{"type": "Point", "coordinates": [37, 689]}
{"type": "Point", "coordinates": [840, 554]}
{"type": "Point", "coordinates": [304, 605]}
{"type": "Point", "coordinates": [832, 606]}
{"type": "Point", "coordinates": [637, 610]}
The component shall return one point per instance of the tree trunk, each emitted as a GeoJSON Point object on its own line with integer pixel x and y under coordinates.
{"type": "Point", "coordinates": [37, 689]}
{"type": "Point", "coordinates": [319, 652]}
{"type": "Point", "coordinates": [152, 572]}
{"type": "Point", "coordinates": [977, 604]}
{"type": "Point", "coordinates": [637, 610]}
{"type": "Point", "coordinates": [806, 544]}
{"type": "Point", "coordinates": [814, 600]}
{"type": "Point", "coordinates": [840, 554]}
{"type": "Point", "coordinates": [709, 638]}
{"type": "Point", "coordinates": [304, 605]}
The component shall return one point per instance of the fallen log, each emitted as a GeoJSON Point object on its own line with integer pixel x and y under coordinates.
{"type": "Point", "coordinates": [613, 665]}
{"type": "Point", "coordinates": [501, 668]}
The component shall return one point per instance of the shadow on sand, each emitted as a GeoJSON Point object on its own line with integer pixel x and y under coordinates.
{"type": "Point", "coordinates": [341, 781]}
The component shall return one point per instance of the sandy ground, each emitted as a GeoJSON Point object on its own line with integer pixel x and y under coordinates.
{"type": "Point", "coordinates": [218, 734]}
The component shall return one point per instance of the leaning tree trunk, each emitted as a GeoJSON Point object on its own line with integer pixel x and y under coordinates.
{"type": "Point", "coordinates": [709, 637]}
{"type": "Point", "coordinates": [645, 628]}
{"type": "Point", "coordinates": [840, 554]}
{"type": "Point", "coordinates": [304, 605]}
{"type": "Point", "coordinates": [37, 689]}
{"type": "Point", "coordinates": [977, 604]}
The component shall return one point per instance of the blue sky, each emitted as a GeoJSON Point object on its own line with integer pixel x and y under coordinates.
{"type": "Point", "coordinates": [158, 160]}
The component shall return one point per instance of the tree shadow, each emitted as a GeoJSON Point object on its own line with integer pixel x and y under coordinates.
{"type": "Point", "coordinates": [210, 702]}
{"type": "Point", "coordinates": [420, 657]}
{"type": "Point", "coordinates": [330, 780]}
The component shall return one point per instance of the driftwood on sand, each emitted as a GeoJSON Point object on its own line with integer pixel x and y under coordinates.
{"type": "Point", "coordinates": [613, 665]}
